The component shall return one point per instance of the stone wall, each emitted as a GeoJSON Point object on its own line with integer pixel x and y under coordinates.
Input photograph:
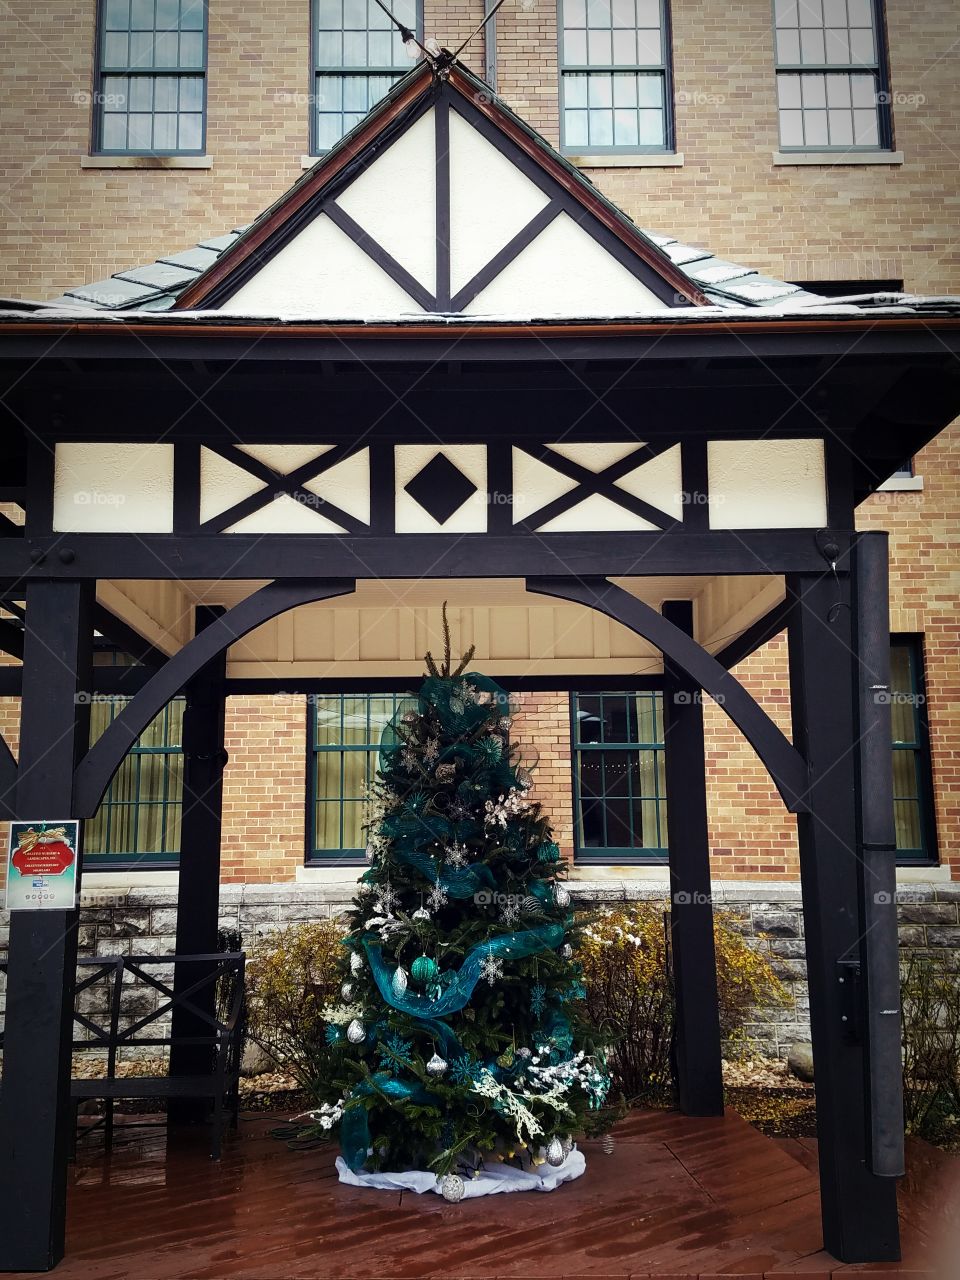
{"type": "Point", "coordinates": [143, 921]}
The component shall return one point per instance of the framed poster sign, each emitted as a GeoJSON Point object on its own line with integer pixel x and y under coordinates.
{"type": "Point", "coordinates": [42, 865]}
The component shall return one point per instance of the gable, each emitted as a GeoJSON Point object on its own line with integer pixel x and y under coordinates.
{"type": "Point", "coordinates": [444, 210]}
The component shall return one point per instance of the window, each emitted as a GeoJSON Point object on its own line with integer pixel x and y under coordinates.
{"type": "Point", "coordinates": [831, 75]}
{"type": "Point", "coordinates": [614, 89]}
{"type": "Point", "coordinates": [344, 749]}
{"type": "Point", "coordinates": [151, 77]}
{"type": "Point", "coordinates": [912, 777]}
{"type": "Point", "coordinates": [619, 780]}
{"type": "Point", "coordinates": [138, 823]}
{"type": "Point", "coordinates": [358, 55]}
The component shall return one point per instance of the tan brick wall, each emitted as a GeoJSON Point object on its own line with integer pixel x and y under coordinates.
{"type": "Point", "coordinates": [542, 732]}
{"type": "Point", "coordinates": [264, 789]}
{"type": "Point", "coordinates": [65, 225]}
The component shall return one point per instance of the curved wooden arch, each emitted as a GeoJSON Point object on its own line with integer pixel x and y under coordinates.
{"type": "Point", "coordinates": [783, 761]}
{"type": "Point", "coordinates": [106, 755]}
{"type": "Point", "coordinates": [8, 780]}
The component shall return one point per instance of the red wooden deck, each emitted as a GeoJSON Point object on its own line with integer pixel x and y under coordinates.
{"type": "Point", "coordinates": [679, 1197]}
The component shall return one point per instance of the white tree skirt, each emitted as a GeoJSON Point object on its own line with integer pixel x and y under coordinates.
{"type": "Point", "coordinates": [493, 1178]}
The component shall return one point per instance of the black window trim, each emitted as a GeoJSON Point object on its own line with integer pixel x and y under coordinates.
{"type": "Point", "coordinates": [914, 640]}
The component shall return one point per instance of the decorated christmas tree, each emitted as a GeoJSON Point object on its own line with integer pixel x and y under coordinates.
{"type": "Point", "coordinates": [459, 1042]}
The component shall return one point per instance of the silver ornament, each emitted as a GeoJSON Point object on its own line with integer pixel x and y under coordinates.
{"type": "Point", "coordinates": [436, 1066]}
{"type": "Point", "coordinates": [356, 1032]}
{"type": "Point", "coordinates": [451, 1187]}
{"type": "Point", "coordinates": [399, 982]}
{"type": "Point", "coordinates": [561, 895]}
{"type": "Point", "coordinates": [421, 913]}
{"type": "Point", "coordinates": [607, 1144]}
{"type": "Point", "coordinates": [356, 962]}
{"type": "Point", "coordinates": [554, 1152]}
{"type": "Point", "coordinates": [566, 951]}
{"type": "Point", "coordinates": [567, 1145]}
{"type": "Point", "coordinates": [346, 990]}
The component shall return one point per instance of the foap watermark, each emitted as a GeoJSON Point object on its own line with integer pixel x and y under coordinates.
{"type": "Point", "coordinates": [98, 98]}
{"type": "Point", "coordinates": [98, 498]}
{"type": "Point", "coordinates": [696, 697]}
{"type": "Point", "coordinates": [697, 498]}
{"type": "Point", "coordinates": [899, 898]}
{"type": "Point", "coordinates": [883, 697]}
{"type": "Point", "coordinates": [489, 898]}
{"type": "Point", "coordinates": [691, 898]}
{"type": "Point", "coordinates": [699, 98]}
{"type": "Point", "coordinates": [86, 698]}
{"type": "Point", "coordinates": [886, 98]}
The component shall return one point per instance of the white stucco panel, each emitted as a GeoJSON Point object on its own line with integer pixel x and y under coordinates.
{"type": "Point", "coordinates": [658, 482]}
{"type": "Point", "coordinates": [113, 488]}
{"type": "Point", "coordinates": [395, 201]}
{"type": "Point", "coordinates": [322, 274]}
{"type": "Point", "coordinates": [564, 273]}
{"type": "Point", "coordinates": [285, 458]}
{"type": "Point", "coordinates": [596, 456]}
{"type": "Point", "coordinates": [490, 201]}
{"type": "Point", "coordinates": [535, 484]}
{"type": "Point", "coordinates": [223, 484]}
{"type": "Point", "coordinates": [347, 485]}
{"type": "Point", "coordinates": [470, 459]}
{"type": "Point", "coordinates": [594, 514]}
{"type": "Point", "coordinates": [284, 514]}
{"type": "Point", "coordinates": [766, 484]}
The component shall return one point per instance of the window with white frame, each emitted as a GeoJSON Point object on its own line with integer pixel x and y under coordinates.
{"type": "Point", "coordinates": [614, 76]}
{"type": "Point", "coordinates": [151, 77]}
{"type": "Point", "coordinates": [831, 75]}
{"type": "Point", "coordinates": [358, 55]}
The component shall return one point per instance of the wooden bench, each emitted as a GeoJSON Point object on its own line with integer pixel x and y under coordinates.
{"type": "Point", "coordinates": [213, 994]}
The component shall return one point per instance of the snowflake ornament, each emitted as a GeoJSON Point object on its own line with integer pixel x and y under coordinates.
{"type": "Point", "coordinates": [456, 854]}
{"type": "Point", "coordinates": [437, 897]}
{"type": "Point", "coordinates": [492, 968]}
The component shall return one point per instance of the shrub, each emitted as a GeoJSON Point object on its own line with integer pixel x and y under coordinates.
{"type": "Point", "coordinates": [930, 995]}
{"type": "Point", "coordinates": [291, 974]}
{"type": "Point", "coordinates": [629, 993]}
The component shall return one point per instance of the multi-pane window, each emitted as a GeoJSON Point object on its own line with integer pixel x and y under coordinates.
{"type": "Point", "coordinates": [344, 739]}
{"type": "Point", "coordinates": [151, 77]}
{"type": "Point", "coordinates": [358, 54]}
{"type": "Point", "coordinates": [912, 780]}
{"type": "Point", "coordinates": [138, 822]}
{"type": "Point", "coordinates": [614, 76]}
{"type": "Point", "coordinates": [831, 76]}
{"type": "Point", "coordinates": [619, 779]}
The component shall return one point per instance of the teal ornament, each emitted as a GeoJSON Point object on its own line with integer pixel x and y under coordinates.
{"type": "Point", "coordinates": [423, 969]}
{"type": "Point", "coordinates": [548, 852]}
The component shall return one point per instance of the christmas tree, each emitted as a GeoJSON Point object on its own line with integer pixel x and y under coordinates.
{"type": "Point", "coordinates": [460, 1038]}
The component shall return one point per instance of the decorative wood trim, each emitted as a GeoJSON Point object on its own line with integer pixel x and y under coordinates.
{"type": "Point", "coordinates": [781, 759]}
{"type": "Point", "coordinates": [127, 638]}
{"type": "Point", "coordinates": [101, 762]}
{"type": "Point", "coordinates": [597, 482]}
{"type": "Point", "coordinates": [511, 250]}
{"type": "Point", "coordinates": [277, 483]}
{"type": "Point", "coordinates": [186, 486]}
{"type": "Point", "coordinates": [441, 116]}
{"type": "Point", "coordinates": [376, 253]}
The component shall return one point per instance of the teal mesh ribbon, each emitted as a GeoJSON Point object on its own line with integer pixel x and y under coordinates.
{"type": "Point", "coordinates": [457, 994]}
{"type": "Point", "coordinates": [354, 1123]}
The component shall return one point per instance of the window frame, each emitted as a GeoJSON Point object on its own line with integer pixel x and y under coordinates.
{"type": "Point", "coordinates": [314, 70]}
{"type": "Point", "coordinates": [880, 68]}
{"type": "Point", "coordinates": [592, 855]}
{"type": "Point", "coordinates": [665, 68]}
{"type": "Point", "coordinates": [98, 96]}
{"type": "Point", "coordinates": [314, 857]}
{"type": "Point", "coordinates": [928, 854]}
{"type": "Point", "coordinates": [162, 860]}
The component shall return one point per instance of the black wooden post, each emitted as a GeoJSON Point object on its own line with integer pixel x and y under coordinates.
{"type": "Point", "coordinates": [198, 901]}
{"type": "Point", "coordinates": [697, 1022]}
{"type": "Point", "coordinates": [35, 1113]}
{"type": "Point", "coordinates": [859, 1209]}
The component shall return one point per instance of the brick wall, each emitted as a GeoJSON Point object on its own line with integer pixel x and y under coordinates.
{"type": "Point", "coordinates": [65, 225]}
{"type": "Point", "coordinates": [542, 731]}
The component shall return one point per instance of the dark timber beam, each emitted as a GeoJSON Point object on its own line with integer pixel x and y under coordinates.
{"type": "Point", "coordinates": [783, 762]}
{"type": "Point", "coordinates": [106, 755]}
{"type": "Point", "coordinates": [127, 638]}
{"type": "Point", "coordinates": [299, 556]}
{"type": "Point", "coordinates": [878, 860]}
{"type": "Point", "coordinates": [756, 636]}
{"type": "Point", "coordinates": [198, 896]}
{"type": "Point", "coordinates": [8, 781]}
{"type": "Point", "coordinates": [859, 1209]}
{"type": "Point", "coordinates": [697, 1053]}
{"type": "Point", "coordinates": [35, 1113]}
